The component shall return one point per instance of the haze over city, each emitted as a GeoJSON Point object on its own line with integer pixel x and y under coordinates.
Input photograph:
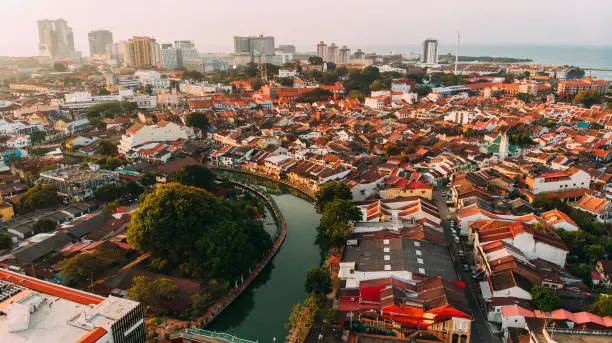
{"type": "Point", "coordinates": [211, 24]}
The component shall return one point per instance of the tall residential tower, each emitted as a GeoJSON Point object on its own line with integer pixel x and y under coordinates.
{"type": "Point", "coordinates": [99, 41]}
{"type": "Point", "coordinates": [429, 51]}
{"type": "Point", "coordinates": [55, 38]}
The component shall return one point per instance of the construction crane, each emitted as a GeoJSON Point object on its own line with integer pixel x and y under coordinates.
{"type": "Point", "coordinates": [263, 73]}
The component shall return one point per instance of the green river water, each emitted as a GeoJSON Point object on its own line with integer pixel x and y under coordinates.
{"type": "Point", "coordinates": [261, 312]}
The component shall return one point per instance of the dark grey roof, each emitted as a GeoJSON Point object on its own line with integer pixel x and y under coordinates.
{"type": "Point", "coordinates": [36, 251]}
{"type": "Point", "coordinates": [436, 259]}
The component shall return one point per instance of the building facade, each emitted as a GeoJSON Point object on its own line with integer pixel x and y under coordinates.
{"type": "Point", "coordinates": [429, 51]}
{"type": "Point", "coordinates": [55, 38]}
{"type": "Point", "coordinates": [142, 52]}
{"type": "Point", "coordinates": [99, 42]}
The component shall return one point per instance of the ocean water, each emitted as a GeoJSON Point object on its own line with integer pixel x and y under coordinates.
{"type": "Point", "coordinates": [581, 56]}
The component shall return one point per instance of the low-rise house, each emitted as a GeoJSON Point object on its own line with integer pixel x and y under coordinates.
{"type": "Point", "coordinates": [163, 131]}
{"type": "Point", "coordinates": [599, 208]}
{"type": "Point", "coordinates": [572, 178]}
{"type": "Point", "coordinates": [19, 142]}
{"type": "Point", "coordinates": [531, 243]}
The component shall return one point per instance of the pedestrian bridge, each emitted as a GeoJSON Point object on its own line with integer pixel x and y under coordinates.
{"type": "Point", "coordinates": [199, 335]}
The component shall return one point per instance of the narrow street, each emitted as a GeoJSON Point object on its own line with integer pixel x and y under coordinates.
{"type": "Point", "coordinates": [481, 332]}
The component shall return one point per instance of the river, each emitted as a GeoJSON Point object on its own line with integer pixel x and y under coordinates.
{"type": "Point", "coordinates": [261, 312]}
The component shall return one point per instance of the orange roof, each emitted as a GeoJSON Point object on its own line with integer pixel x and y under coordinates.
{"type": "Point", "coordinates": [93, 336]}
{"type": "Point", "coordinates": [134, 128]}
{"type": "Point", "coordinates": [50, 288]}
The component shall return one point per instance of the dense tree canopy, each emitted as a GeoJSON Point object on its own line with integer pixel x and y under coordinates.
{"type": "Point", "coordinates": [587, 98]}
{"type": "Point", "coordinates": [111, 192]}
{"type": "Point", "coordinates": [203, 234]}
{"type": "Point", "coordinates": [152, 292]}
{"type": "Point", "coordinates": [37, 197]}
{"type": "Point", "coordinates": [335, 222]}
{"type": "Point", "coordinates": [111, 109]}
{"type": "Point", "coordinates": [5, 240]}
{"type": "Point", "coordinates": [44, 225]}
{"type": "Point", "coordinates": [317, 94]}
{"type": "Point", "coordinates": [318, 281]}
{"type": "Point", "coordinates": [543, 299]}
{"type": "Point", "coordinates": [316, 60]}
{"type": "Point", "coordinates": [82, 266]}
{"type": "Point", "coordinates": [196, 176]}
{"type": "Point", "coordinates": [106, 148]}
{"type": "Point", "coordinates": [331, 191]}
{"type": "Point", "coordinates": [601, 307]}
{"type": "Point", "coordinates": [197, 120]}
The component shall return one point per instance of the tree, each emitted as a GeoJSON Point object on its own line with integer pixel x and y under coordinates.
{"type": "Point", "coordinates": [5, 240]}
{"type": "Point", "coordinates": [335, 221]}
{"type": "Point", "coordinates": [331, 191]}
{"type": "Point", "coordinates": [303, 314]}
{"type": "Point", "coordinates": [197, 176]}
{"type": "Point", "coordinates": [82, 266]}
{"type": "Point", "coordinates": [193, 75]}
{"type": "Point", "coordinates": [286, 81]}
{"type": "Point", "coordinates": [44, 225]}
{"type": "Point", "coordinates": [38, 197]}
{"type": "Point", "coordinates": [316, 60]}
{"type": "Point", "coordinates": [525, 97]}
{"type": "Point", "coordinates": [152, 293]}
{"type": "Point", "coordinates": [107, 148]}
{"type": "Point", "coordinates": [318, 281]}
{"type": "Point", "coordinates": [356, 94]}
{"type": "Point", "coordinates": [197, 120]}
{"type": "Point", "coordinates": [587, 98]}
{"type": "Point", "coordinates": [422, 91]}
{"type": "Point", "coordinates": [601, 307]}
{"type": "Point", "coordinates": [469, 133]}
{"type": "Point", "coordinates": [148, 179]}
{"type": "Point", "coordinates": [317, 94]}
{"type": "Point", "coordinates": [107, 193]}
{"type": "Point", "coordinates": [203, 234]}
{"type": "Point", "coordinates": [544, 299]}
{"type": "Point", "coordinates": [59, 67]}
{"type": "Point", "coordinates": [377, 86]}
{"type": "Point", "coordinates": [38, 136]}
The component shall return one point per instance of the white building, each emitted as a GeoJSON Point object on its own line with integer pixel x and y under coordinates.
{"type": "Point", "coordinates": [40, 311]}
{"type": "Point", "coordinates": [146, 101]}
{"type": "Point", "coordinates": [285, 72]}
{"type": "Point", "coordinates": [374, 103]}
{"type": "Point", "coordinates": [18, 142]}
{"type": "Point", "coordinates": [152, 78]}
{"type": "Point", "coordinates": [532, 244]}
{"type": "Point", "coordinates": [163, 131]}
{"type": "Point", "coordinates": [572, 178]}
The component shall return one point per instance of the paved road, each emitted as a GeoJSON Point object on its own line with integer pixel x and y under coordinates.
{"type": "Point", "coordinates": [480, 329]}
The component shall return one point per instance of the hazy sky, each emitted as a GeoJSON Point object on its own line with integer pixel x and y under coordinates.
{"type": "Point", "coordinates": [211, 24]}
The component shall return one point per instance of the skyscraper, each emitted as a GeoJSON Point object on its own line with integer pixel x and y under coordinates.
{"type": "Point", "coordinates": [173, 56]}
{"type": "Point", "coordinates": [345, 53]}
{"type": "Point", "coordinates": [142, 52]}
{"type": "Point", "coordinates": [332, 53]}
{"type": "Point", "coordinates": [99, 40]}
{"type": "Point", "coordinates": [429, 51]}
{"type": "Point", "coordinates": [286, 48]}
{"type": "Point", "coordinates": [322, 50]}
{"type": "Point", "coordinates": [253, 44]}
{"type": "Point", "coordinates": [55, 38]}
